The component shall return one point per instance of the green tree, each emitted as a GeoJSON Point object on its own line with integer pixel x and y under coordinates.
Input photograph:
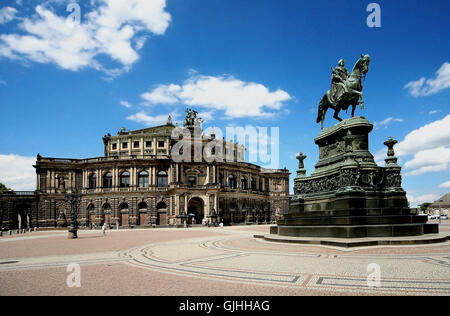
{"type": "Point", "coordinates": [4, 189]}
{"type": "Point", "coordinates": [425, 206]}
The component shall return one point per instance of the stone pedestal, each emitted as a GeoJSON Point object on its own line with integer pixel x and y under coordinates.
{"type": "Point", "coordinates": [349, 195]}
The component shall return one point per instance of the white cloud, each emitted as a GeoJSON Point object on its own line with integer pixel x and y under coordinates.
{"type": "Point", "coordinates": [417, 200]}
{"type": "Point", "coordinates": [433, 135]}
{"type": "Point", "coordinates": [114, 28]}
{"type": "Point", "coordinates": [143, 117]}
{"type": "Point", "coordinates": [162, 95]}
{"type": "Point", "coordinates": [7, 14]}
{"type": "Point", "coordinates": [430, 147]}
{"type": "Point", "coordinates": [445, 185]}
{"type": "Point", "coordinates": [125, 104]}
{"type": "Point", "coordinates": [431, 160]}
{"type": "Point", "coordinates": [387, 121]}
{"type": "Point", "coordinates": [207, 116]}
{"type": "Point", "coordinates": [225, 93]}
{"type": "Point", "coordinates": [424, 87]}
{"type": "Point", "coordinates": [434, 112]}
{"type": "Point", "coordinates": [17, 172]}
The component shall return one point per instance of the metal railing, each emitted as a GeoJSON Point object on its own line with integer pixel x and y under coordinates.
{"type": "Point", "coordinates": [20, 193]}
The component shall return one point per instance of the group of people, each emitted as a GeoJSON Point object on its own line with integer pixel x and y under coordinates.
{"type": "Point", "coordinates": [205, 222]}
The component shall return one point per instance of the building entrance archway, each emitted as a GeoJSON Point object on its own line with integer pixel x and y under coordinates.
{"type": "Point", "coordinates": [161, 209]}
{"type": "Point", "coordinates": [143, 218]}
{"type": "Point", "coordinates": [196, 210]}
{"type": "Point", "coordinates": [22, 218]}
{"type": "Point", "coordinates": [124, 215]}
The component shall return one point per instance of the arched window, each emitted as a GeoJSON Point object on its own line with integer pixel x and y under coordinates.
{"type": "Point", "coordinates": [232, 182]}
{"type": "Point", "coordinates": [107, 180]}
{"type": "Point", "coordinates": [162, 179]}
{"type": "Point", "coordinates": [161, 206]}
{"type": "Point", "coordinates": [125, 180]}
{"type": "Point", "coordinates": [143, 179]}
{"type": "Point", "coordinates": [142, 206]}
{"type": "Point", "coordinates": [91, 209]}
{"type": "Point", "coordinates": [93, 181]}
{"type": "Point", "coordinates": [107, 207]}
{"type": "Point", "coordinates": [244, 183]}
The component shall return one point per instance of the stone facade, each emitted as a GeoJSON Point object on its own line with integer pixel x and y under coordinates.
{"type": "Point", "coordinates": [139, 184]}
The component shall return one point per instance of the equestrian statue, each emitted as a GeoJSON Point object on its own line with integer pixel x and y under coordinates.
{"type": "Point", "coordinates": [346, 89]}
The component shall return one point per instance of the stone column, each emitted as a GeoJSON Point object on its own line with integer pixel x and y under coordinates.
{"type": "Point", "coordinates": [48, 181]}
{"type": "Point", "coordinates": [181, 173]}
{"type": "Point", "coordinates": [130, 145]}
{"type": "Point", "coordinates": [53, 184]}
{"type": "Point", "coordinates": [177, 205]}
{"type": "Point", "coordinates": [149, 170]}
{"type": "Point", "coordinates": [100, 179]}
{"type": "Point", "coordinates": [153, 176]}
{"type": "Point", "coordinates": [170, 174]}
{"type": "Point", "coordinates": [115, 178]}
{"type": "Point", "coordinates": [134, 177]}
{"type": "Point", "coordinates": [207, 207]}
{"type": "Point", "coordinates": [97, 184]}
{"type": "Point", "coordinates": [216, 203]}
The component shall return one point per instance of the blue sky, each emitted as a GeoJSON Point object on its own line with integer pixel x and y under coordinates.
{"type": "Point", "coordinates": [264, 63]}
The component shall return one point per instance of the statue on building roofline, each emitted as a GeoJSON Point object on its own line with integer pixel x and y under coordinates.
{"type": "Point", "coordinates": [191, 119]}
{"type": "Point", "coordinates": [346, 90]}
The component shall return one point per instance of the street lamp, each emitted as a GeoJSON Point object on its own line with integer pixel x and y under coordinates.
{"type": "Point", "coordinates": [74, 199]}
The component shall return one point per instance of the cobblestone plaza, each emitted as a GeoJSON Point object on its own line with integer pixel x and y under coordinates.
{"type": "Point", "coordinates": [204, 261]}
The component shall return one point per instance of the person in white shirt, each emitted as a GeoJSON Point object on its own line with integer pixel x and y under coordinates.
{"type": "Point", "coordinates": [104, 229]}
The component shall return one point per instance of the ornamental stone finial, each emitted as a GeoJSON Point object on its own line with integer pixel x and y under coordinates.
{"type": "Point", "coordinates": [391, 160]}
{"type": "Point", "coordinates": [390, 143]}
{"type": "Point", "coordinates": [301, 172]}
{"type": "Point", "coordinates": [349, 157]}
{"type": "Point", "coordinates": [301, 158]}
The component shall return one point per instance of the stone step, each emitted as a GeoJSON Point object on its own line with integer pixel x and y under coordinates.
{"type": "Point", "coordinates": [360, 242]}
{"type": "Point", "coordinates": [355, 220]}
{"type": "Point", "coordinates": [357, 231]}
{"type": "Point", "coordinates": [353, 213]}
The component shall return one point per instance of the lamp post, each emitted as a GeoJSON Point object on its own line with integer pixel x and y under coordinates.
{"type": "Point", "coordinates": [74, 199]}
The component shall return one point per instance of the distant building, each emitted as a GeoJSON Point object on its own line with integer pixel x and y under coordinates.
{"type": "Point", "coordinates": [442, 205]}
{"type": "Point", "coordinates": [137, 183]}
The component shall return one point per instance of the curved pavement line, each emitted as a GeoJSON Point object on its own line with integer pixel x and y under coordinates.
{"type": "Point", "coordinates": [209, 267]}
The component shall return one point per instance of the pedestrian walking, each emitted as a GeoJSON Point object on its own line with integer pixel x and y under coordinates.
{"type": "Point", "coordinates": [104, 229]}
{"type": "Point", "coordinates": [117, 225]}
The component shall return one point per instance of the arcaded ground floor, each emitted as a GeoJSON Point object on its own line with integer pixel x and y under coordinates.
{"type": "Point", "coordinates": [213, 261]}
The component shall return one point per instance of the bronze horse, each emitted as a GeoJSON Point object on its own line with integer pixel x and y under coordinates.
{"type": "Point", "coordinates": [352, 95]}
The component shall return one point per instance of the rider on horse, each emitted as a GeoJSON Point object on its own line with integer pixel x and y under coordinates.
{"type": "Point", "coordinates": [338, 88]}
{"type": "Point", "coordinates": [346, 90]}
